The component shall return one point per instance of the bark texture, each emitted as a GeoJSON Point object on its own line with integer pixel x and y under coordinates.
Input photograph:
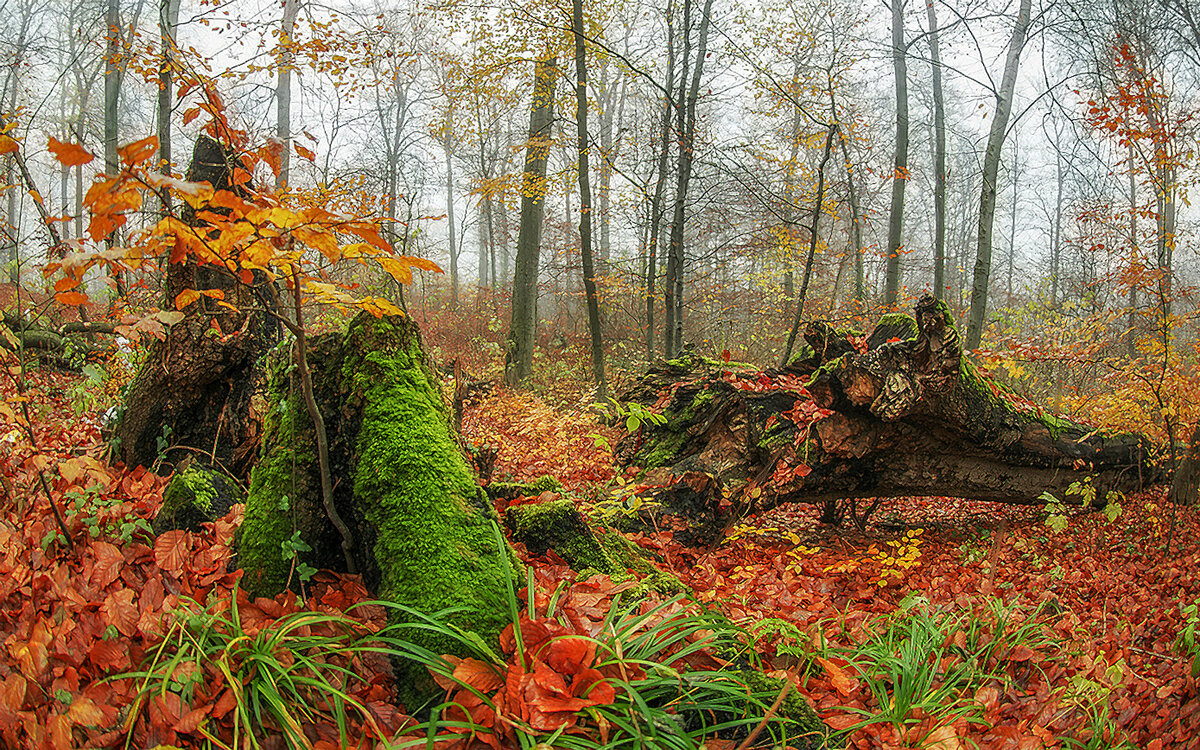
{"type": "Point", "coordinates": [897, 413]}
{"type": "Point", "coordinates": [193, 391]}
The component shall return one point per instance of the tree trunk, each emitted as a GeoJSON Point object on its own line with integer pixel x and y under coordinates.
{"type": "Point", "coordinates": [939, 158]}
{"type": "Point", "coordinates": [283, 91]}
{"type": "Point", "coordinates": [687, 130]}
{"type": "Point", "coordinates": [659, 184]}
{"type": "Point", "coordinates": [168, 19]}
{"type": "Point", "coordinates": [193, 391]}
{"type": "Point", "coordinates": [518, 364]}
{"type": "Point", "coordinates": [422, 527]}
{"type": "Point", "coordinates": [1186, 485]}
{"type": "Point", "coordinates": [449, 146]}
{"type": "Point", "coordinates": [991, 170]}
{"type": "Point", "coordinates": [818, 204]}
{"type": "Point", "coordinates": [585, 204]}
{"type": "Point", "coordinates": [909, 417]}
{"type": "Point", "coordinates": [891, 291]}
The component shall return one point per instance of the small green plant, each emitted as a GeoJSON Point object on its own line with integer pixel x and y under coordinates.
{"type": "Point", "coordinates": [290, 550]}
{"type": "Point", "coordinates": [1188, 640]}
{"type": "Point", "coordinates": [1056, 512]}
{"type": "Point", "coordinates": [634, 414]}
{"type": "Point", "coordinates": [903, 666]}
{"type": "Point", "coordinates": [101, 516]}
{"type": "Point", "coordinates": [88, 394]}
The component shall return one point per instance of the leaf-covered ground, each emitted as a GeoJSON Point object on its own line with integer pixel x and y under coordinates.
{"type": "Point", "coordinates": [1107, 599]}
{"type": "Point", "coordinates": [1099, 602]}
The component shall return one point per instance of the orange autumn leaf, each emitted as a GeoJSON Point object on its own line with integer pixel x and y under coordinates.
{"type": "Point", "coordinates": [69, 154]}
{"type": "Point", "coordinates": [172, 550]}
{"type": "Point", "coordinates": [138, 151]}
{"type": "Point", "coordinates": [841, 682]}
{"type": "Point", "coordinates": [71, 298]}
{"type": "Point", "coordinates": [304, 153]}
{"type": "Point", "coordinates": [8, 145]}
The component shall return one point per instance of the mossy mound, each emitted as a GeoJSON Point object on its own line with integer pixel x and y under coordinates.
{"type": "Point", "coordinates": [558, 525]}
{"type": "Point", "coordinates": [422, 531]}
{"type": "Point", "coordinates": [514, 490]}
{"type": "Point", "coordinates": [194, 496]}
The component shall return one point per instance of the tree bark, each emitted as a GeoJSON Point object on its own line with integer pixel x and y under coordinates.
{"type": "Point", "coordinates": [939, 158]}
{"type": "Point", "coordinates": [194, 388]}
{"type": "Point", "coordinates": [660, 183]}
{"type": "Point", "coordinates": [991, 170]}
{"type": "Point", "coordinates": [168, 19]}
{"type": "Point", "coordinates": [283, 90]}
{"type": "Point", "coordinates": [1185, 487]}
{"type": "Point", "coordinates": [585, 204]}
{"type": "Point", "coordinates": [518, 364]}
{"type": "Point", "coordinates": [891, 290]}
{"type": "Point", "coordinates": [687, 130]}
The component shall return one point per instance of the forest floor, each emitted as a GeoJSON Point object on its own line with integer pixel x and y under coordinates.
{"type": "Point", "coordinates": [1086, 615]}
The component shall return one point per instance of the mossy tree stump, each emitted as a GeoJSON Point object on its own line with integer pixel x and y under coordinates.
{"type": "Point", "coordinates": [910, 416]}
{"type": "Point", "coordinates": [422, 530]}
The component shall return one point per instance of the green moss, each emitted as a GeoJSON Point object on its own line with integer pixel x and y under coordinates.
{"type": "Point", "coordinates": [626, 559]}
{"type": "Point", "coordinates": [281, 482]}
{"type": "Point", "coordinates": [434, 535]}
{"type": "Point", "coordinates": [511, 490]}
{"type": "Point", "coordinates": [557, 525]}
{"type": "Point", "coordinates": [804, 729]}
{"type": "Point", "coordinates": [893, 326]}
{"type": "Point", "coordinates": [663, 448]}
{"type": "Point", "coordinates": [192, 487]}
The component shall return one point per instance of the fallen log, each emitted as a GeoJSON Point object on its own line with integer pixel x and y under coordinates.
{"type": "Point", "coordinates": [900, 412]}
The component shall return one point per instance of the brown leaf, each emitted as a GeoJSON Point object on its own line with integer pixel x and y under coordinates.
{"type": "Point", "coordinates": [85, 712]}
{"type": "Point", "coordinates": [172, 550]}
{"type": "Point", "coordinates": [109, 562]}
{"type": "Point", "coordinates": [841, 682]}
{"type": "Point", "coordinates": [120, 611]}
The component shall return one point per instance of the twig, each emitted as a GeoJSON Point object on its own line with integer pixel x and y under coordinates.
{"type": "Point", "coordinates": [314, 413]}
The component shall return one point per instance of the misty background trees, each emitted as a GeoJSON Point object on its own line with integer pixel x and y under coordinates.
{"type": "Point", "coordinates": [1029, 162]}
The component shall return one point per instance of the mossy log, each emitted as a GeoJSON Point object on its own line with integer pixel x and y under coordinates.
{"type": "Point", "coordinates": [909, 416]}
{"type": "Point", "coordinates": [422, 530]}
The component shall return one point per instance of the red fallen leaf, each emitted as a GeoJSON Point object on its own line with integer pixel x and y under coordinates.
{"type": "Point", "coordinates": [841, 721]}
{"type": "Point", "coordinates": [12, 692]}
{"type": "Point", "coordinates": [172, 550]}
{"type": "Point", "coordinates": [109, 656]}
{"type": "Point", "coordinates": [841, 682]}
{"type": "Point", "coordinates": [32, 655]}
{"type": "Point", "coordinates": [192, 720]}
{"type": "Point", "coordinates": [1022, 653]}
{"type": "Point", "coordinates": [226, 703]}
{"type": "Point", "coordinates": [120, 611]}
{"type": "Point", "coordinates": [479, 675]}
{"type": "Point", "coordinates": [109, 561]}
{"type": "Point", "coordinates": [571, 655]}
{"type": "Point", "coordinates": [943, 738]}
{"type": "Point", "coordinates": [59, 728]}
{"type": "Point", "coordinates": [85, 713]}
